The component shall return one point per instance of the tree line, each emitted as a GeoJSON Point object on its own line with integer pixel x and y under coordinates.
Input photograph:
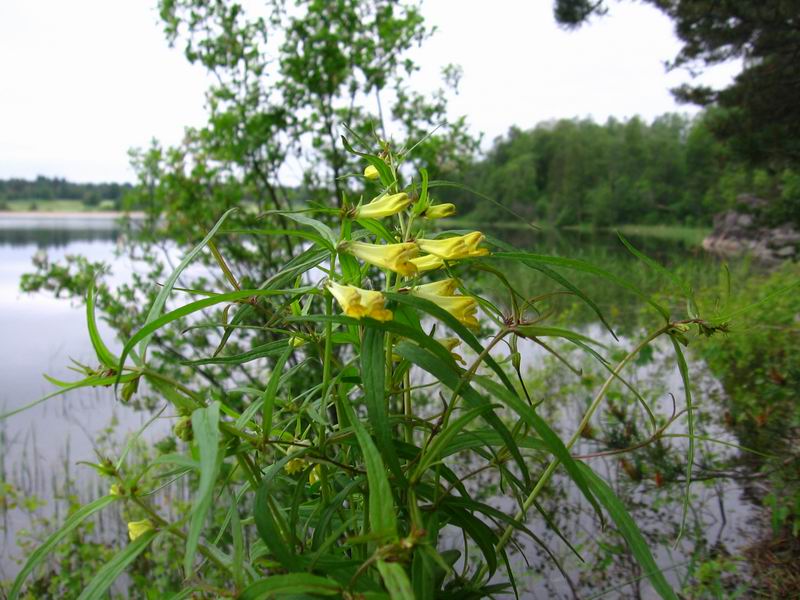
{"type": "Point", "coordinates": [58, 188]}
{"type": "Point", "coordinates": [579, 172]}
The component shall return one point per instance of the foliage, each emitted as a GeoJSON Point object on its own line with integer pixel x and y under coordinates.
{"type": "Point", "coordinates": [572, 172]}
{"type": "Point", "coordinates": [759, 367]}
{"type": "Point", "coordinates": [757, 113]}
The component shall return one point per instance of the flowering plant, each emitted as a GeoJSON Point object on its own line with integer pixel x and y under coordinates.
{"type": "Point", "coordinates": [336, 471]}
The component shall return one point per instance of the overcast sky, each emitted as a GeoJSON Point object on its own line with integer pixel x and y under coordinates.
{"type": "Point", "coordinates": [82, 81]}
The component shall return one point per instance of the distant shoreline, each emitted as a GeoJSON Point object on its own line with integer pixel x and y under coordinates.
{"type": "Point", "coordinates": [67, 214]}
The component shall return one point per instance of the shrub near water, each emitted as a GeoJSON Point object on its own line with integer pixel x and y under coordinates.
{"type": "Point", "coordinates": [334, 476]}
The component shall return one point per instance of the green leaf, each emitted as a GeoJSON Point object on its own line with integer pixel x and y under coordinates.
{"type": "Point", "coordinates": [104, 355]}
{"type": "Point", "coordinates": [92, 381]}
{"type": "Point", "coordinates": [298, 233]}
{"type": "Point", "coordinates": [441, 440]}
{"type": "Point", "coordinates": [538, 331]}
{"type": "Point", "coordinates": [465, 334]}
{"type": "Point", "coordinates": [396, 580]}
{"type": "Point", "coordinates": [292, 583]}
{"type": "Point", "coordinates": [326, 232]}
{"type": "Point", "coordinates": [383, 520]}
{"type": "Point", "coordinates": [194, 307]}
{"type": "Point", "coordinates": [260, 351]}
{"type": "Point", "coordinates": [384, 171]}
{"type": "Point", "coordinates": [296, 266]}
{"type": "Point", "coordinates": [533, 260]}
{"type": "Point", "coordinates": [268, 397]}
{"type": "Point", "coordinates": [323, 523]}
{"type": "Point", "coordinates": [682, 284]}
{"type": "Point", "coordinates": [205, 426]}
{"type": "Point", "coordinates": [549, 437]}
{"type": "Point", "coordinates": [480, 532]}
{"type": "Point", "coordinates": [281, 546]}
{"type": "Point", "coordinates": [166, 290]}
{"type": "Point", "coordinates": [378, 229]}
{"type": "Point", "coordinates": [627, 527]}
{"type": "Point", "coordinates": [109, 572]}
{"type": "Point", "coordinates": [435, 367]}
{"type": "Point", "coordinates": [373, 377]}
{"type": "Point", "coordinates": [43, 551]}
{"type": "Point", "coordinates": [687, 391]}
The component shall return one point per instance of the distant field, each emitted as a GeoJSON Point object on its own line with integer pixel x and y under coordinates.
{"type": "Point", "coordinates": [57, 205]}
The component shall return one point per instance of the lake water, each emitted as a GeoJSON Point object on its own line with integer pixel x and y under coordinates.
{"type": "Point", "coordinates": [41, 447]}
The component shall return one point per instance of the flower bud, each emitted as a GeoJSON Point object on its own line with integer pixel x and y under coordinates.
{"type": "Point", "coordinates": [139, 528]}
{"type": "Point", "coordinates": [440, 211]}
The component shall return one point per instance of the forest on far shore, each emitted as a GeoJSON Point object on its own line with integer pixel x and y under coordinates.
{"type": "Point", "coordinates": [578, 172]}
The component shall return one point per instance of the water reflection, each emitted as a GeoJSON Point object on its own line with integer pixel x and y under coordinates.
{"type": "Point", "coordinates": [40, 447]}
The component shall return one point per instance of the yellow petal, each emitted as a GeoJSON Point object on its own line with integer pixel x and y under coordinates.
{"type": "Point", "coordinates": [294, 465]}
{"type": "Point", "coordinates": [314, 475]}
{"type": "Point", "coordinates": [428, 262]}
{"type": "Point", "coordinates": [453, 248]}
{"type": "Point", "coordinates": [395, 257]}
{"type": "Point", "coordinates": [139, 528]}
{"type": "Point", "coordinates": [348, 298]}
{"type": "Point", "coordinates": [445, 287]}
{"type": "Point", "coordinates": [463, 308]}
{"type": "Point", "coordinates": [371, 172]}
{"type": "Point", "coordinates": [374, 305]}
{"type": "Point", "coordinates": [440, 211]}
{"type": "Point", "coordinates": [384, 206]}
{"type": "Point", "coordinates": [451, 343]}
{"type": "Point", "coordinates": [357, 302]}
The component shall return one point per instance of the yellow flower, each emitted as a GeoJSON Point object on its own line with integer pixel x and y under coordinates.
{"type": "Point", "coordinates": [440, 211]}
{"type": "Point", "coordinates": [139, 528]}
{"type": "Point", "coordinates": [359, 303]}
{"type": "Point", "coordinates": [451, 343]}
{"type": "Point", "coordinates": [429, 262]}
{"type": "Point", "coordinates": [463, 308]}
{"type": "Point", "coordinates": [371, 172]}
{"type": "Point", "coordinates": [445, 287]}
{"type": "Point", "coordinates": [462, 246]}
{"type": "Point", "coordinates": [295, 465]}
{"type": "Point", "coordinates": [115, 490]}
{"type": "Point", "coordinates": [383, 206]}
{"type": "Point", "coordinates": [314, 475]}
{"type": "Point", "coordinates": [395, 257]}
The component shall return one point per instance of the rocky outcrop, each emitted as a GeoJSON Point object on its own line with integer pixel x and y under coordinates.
{"type": "Point", "coordinates": [738, 232]}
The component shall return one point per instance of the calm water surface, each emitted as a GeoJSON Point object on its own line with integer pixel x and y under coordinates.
{"type": "Point", "coordinates": [41, 446]}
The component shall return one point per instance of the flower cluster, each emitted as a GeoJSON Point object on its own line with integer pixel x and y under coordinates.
{"type": "Point", "coordinates": [408, 258]}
